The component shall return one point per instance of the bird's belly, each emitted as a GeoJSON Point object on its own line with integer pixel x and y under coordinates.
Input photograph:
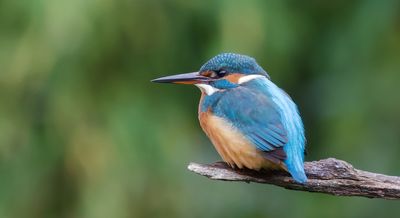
{"type": "Point", "coordinates": [232, 145]}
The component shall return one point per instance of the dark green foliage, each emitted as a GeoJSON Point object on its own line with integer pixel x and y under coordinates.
{"type": "Point", "coordinates": [83, 133]}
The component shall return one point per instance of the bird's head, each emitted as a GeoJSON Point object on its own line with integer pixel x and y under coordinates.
{"type": "Point", "coordinates": [224, 71]}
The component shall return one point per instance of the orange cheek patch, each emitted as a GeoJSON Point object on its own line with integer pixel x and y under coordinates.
{"type": "Point", "coordinates": [206, 73]}
{"type": "Point", "coordinates": [234, 78]}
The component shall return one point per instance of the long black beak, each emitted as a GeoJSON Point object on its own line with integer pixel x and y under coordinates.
{"type": "Point", "coordinates": [185, 78]}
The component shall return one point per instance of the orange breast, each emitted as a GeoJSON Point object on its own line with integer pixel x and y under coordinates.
{"type": "Point", "coordinates": [231, 145]}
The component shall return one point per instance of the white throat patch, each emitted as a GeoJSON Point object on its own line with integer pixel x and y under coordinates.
{"type": "Point", "coordinates": [209, 90]}
{"type": "Point", "coordinates": [248, 78]}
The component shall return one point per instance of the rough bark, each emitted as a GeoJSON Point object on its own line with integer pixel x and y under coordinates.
{"type": "Point", "coordinates": [330, 176]}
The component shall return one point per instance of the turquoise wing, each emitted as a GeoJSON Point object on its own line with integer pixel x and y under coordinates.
{"type": "Point", "coordinates": [257, 117]}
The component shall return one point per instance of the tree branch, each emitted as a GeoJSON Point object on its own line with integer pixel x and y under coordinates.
{"type": "Point", "coordinates": [330, 176]}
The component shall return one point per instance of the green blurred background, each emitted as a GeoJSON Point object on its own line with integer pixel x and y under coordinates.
{"type": "Point", "coordinates": [83, 133]}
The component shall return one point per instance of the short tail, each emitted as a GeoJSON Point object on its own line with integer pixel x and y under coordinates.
{"type": "Point", "coordinates": [297, 172]}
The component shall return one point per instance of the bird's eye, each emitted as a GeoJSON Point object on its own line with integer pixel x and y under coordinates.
{"type": "Point", "coordinates": [221, 73]}
{"type": "Point", "coordinates": [215, 74]}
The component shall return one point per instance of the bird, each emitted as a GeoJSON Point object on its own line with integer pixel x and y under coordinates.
{"type": "Point", "coordinates": [251, 122]}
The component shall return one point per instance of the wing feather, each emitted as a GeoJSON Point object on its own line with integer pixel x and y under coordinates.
{"type": "Point", "coordinates": [256, 115]}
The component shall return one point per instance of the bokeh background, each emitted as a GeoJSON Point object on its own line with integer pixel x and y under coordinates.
{"type": "Point", "coordinates": [83, 133]}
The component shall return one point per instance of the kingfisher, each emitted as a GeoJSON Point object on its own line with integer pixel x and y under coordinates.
{"type": "Point", "coordinates": [251, 122]}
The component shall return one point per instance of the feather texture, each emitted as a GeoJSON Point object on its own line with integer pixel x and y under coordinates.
{"type": "Point", "coordinates": [266, 116]}
{"type": "Point", "coordinates": [234, 148]}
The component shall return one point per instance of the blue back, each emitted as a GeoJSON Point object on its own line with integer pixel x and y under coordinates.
{"type": "Point", "coordinates": [267, 116]}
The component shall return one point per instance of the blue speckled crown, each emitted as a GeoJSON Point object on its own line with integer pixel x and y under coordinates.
{"type": "Point", "coordinates": [234, 63]}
